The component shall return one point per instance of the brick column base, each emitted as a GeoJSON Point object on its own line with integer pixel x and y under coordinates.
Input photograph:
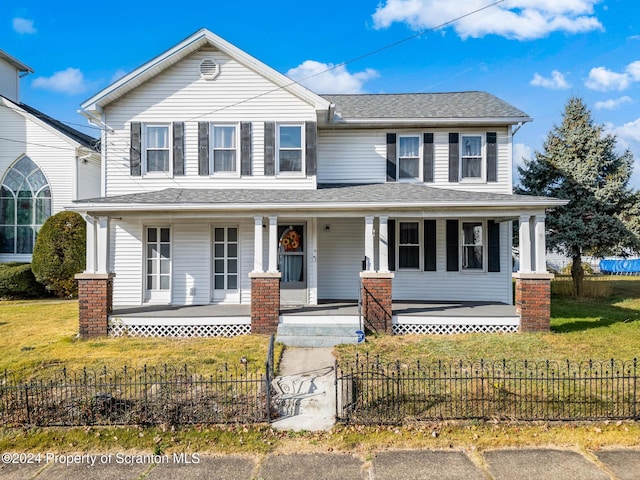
{"type": "Point", "coordinates": [376, 301]}
{"type": "Point", "coordinates": [265, 302]}
{"type": "Point", "coordinates": [95, 298]}
{"type": "Point", "coordinates": [533, 301]}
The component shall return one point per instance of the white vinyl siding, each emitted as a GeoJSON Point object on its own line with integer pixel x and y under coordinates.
{"type": "Point", "coordinates": [9, 81]}
{"type": "Point", "coordinates": [359, 156]}
{"type": "Point", "coordinates": [179, 94]}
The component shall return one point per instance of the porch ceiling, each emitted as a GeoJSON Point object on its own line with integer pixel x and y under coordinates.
{"type": "Point", "coordinates": [332, 197]}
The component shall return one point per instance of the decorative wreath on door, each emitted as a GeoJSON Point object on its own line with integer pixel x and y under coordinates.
{"type": "Point", "coordinates": [290, 241]}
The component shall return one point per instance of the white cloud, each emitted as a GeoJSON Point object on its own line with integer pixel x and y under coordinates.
{"type": "Point", "coordinates": [613, 103]}
{"type": "Point", "coordinates": [23, 25]}
{"type": "Point", "coordinates": [603, 79]}
{"type": "Point", "coordinates": [329, 78]}
{"type": "Point", "coordinates": [520, 153]}
{"type": "Point", "coordinates": [628, 136]}
{"type": "Point", "coordinates": [556, 82]}
{"type": "Point", "coordinates": [516, 19]}
{"type": "Point", "coordinates": [70, 81]}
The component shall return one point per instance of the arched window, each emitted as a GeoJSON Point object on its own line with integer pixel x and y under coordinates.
{"type": "Point", "coordinates": [25, 204]}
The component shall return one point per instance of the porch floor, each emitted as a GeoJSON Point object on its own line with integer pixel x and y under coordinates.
{"type": "Point", "coordinates": [328, 308]}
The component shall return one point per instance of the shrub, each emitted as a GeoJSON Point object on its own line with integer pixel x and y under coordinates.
{"type": "Point", "coordinates": [60, 253]}
{"type": "Point", "coordinates": [592, 287]}
{"type": "Point", "coordinates": [17, 282]}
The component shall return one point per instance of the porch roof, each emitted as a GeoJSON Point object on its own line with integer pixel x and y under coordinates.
{"type": "Point", "coordinates": [333, 197]}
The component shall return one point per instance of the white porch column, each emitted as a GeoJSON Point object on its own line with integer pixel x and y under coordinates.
{"type": "Point", "coordinates": [257, 245]}
{"type": "Point", "coordinates": [524, 234]}
{"type": "Point", "coordinates": [102, 245]}
{"type": "Point", "coordinates": [368, 243]}
{"type": "Point", "coordinates": [273, 244]}
{"type": "Point", "coordinates": [383, 246]}
{"type": "Point", "coordinates": [91, 266]}
{"type": "Point", "coordinates": [540, 244]}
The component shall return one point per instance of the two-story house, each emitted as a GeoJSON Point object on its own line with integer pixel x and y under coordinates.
{"type": "Point", "coordinates": [228, 186]}
{"type": "Point", "coordinates": [44, 166]}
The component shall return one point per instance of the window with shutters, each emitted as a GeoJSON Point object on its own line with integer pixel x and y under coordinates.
{"type": "Point", "coordinates": [157, 149]}
{"type": "Point", "coordinates": [289, 148]}
{"type": "Point", "coordinates": [471, 157]}
{"type": "Point", "coordinates": [472, 246]}
{"type": "Point", "coordinates": [224, 145]}
{"type": "Point", "coordinates": [409, 158]}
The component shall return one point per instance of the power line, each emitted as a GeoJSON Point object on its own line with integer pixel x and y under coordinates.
{"type": "Point", "coordinates": [45, 117]}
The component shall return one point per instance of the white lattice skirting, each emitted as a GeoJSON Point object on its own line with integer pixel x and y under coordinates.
{"type": "Point", "coordinates": [449, 326]}
{"type": "Point", "coordinates": [173, 327]}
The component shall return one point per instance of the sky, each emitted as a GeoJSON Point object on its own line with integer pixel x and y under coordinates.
{"type": "Point", "coordinates": [534, 54]}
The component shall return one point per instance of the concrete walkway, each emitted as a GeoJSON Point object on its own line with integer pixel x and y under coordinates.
{"type": "Point", "coordinates": [305, 391]}
{"type": "Point", "coordinates": [521, 464]}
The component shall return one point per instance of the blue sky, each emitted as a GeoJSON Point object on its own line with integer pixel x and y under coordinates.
{"type": "Point", "coordinates": [534, 54]}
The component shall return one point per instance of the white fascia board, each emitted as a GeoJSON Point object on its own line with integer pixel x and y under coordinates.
{"type": "Point", "coordinates": [21, 67]}
{"type": "Point", "coordinates": [181, 50]}
{"type": "Point", "coordinates": [434, 122]}
{"type": "Point", "coordinates": [315, 207]}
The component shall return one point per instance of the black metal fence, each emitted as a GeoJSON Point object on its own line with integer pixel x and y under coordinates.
{"type": "Point", "coordinates": [369, 391]}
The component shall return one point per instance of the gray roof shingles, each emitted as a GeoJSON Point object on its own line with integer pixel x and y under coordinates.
{"type": "Point", "coordinates": [456, 105]}
{"type": "Point", "coordinates": [384, 193]}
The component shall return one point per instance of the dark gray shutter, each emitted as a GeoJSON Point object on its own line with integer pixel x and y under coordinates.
{"type": "Point", "coordinates": [245, 148]}
{"type": "Point", "coordinates": [427, 158]}
{"type": "Point", "coordinates": [311, 139]}
{"type": "Point", "coordinates": [492, 157]}
{"type": "Point", "coordinates": [203, 148]}
{"type": "Point", "coordinates": [391, 243]}
{"type": "Point", "coordinates": [430, 246]}
{"type": "Point", "coordinates": [454, 157]}
{"type": "Point", "coordinates": [453, 250]}
{"type": "Point", "coordinates": [392, 171]}
{"type": "Point", "coordinates": [178, 148]}
{"type": "Point", "coordinates": [135, 152]}
{"type": "Point", "coordinates": [494, 245]}
{"type": "Point", "coordinates": [269, 148]}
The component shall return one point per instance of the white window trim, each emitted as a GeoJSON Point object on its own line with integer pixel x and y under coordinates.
{"type": "Point", "coordinates": [420, 156]}
{"type": "Point", "coordinates": [303, 143]}
{"type": "Point", "coordinates": [484, 245]}
{"type": "Point", "coordinates": [157, 296]}
{"type": "Point", "coordinates": [483, 161]}
{"type": "Point", "coordinates": [212, 149]}
{"type": "Point", "coordinates": [145, 127]}
{"type": "Point", "coordinates": [420, 245]}
{"type": "Point", "coordinates": [231, 295]}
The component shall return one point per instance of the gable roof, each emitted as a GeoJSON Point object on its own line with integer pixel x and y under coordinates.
{"type": "Point", "coordinates": [21, 67]}
{"type": "Point", "coordinates": [452, 107]}
{"type": "Point", "coordinates": [199, 39]}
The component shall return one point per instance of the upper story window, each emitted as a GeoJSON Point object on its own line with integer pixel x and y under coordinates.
{"type": "Point", "coordinates": [472, 246]}
{"type": "Point", "coordinates": [25, 204]}
{"type": "Point", "coordinates": [157, 152]}
{"type": "Point", "coordinates": [409, 157]}
{"type": "Point", "coordinates": [290, 139]}
{"type": "Point", "coordinates": [471, 156]}
{"type": "Point", "coordinates": [225, 151]}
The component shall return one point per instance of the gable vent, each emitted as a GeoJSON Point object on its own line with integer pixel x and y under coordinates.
{"type": "Point", "coordinates": [209, 69]}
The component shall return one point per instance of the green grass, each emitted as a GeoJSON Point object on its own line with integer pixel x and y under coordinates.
{"type": "Point", "coordinates": [41, 336]}
{"type": "Point", "coordinates": [581, 329]}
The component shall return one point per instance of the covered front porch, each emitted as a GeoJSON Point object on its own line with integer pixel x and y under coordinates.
{"type": "Point", "coordinates": [408, 317]}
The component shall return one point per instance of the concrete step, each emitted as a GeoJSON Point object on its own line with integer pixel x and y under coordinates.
{"type": "Point", "coordinates": [316, 335]}
{"type": "Point", "coordinates": [314, 341]}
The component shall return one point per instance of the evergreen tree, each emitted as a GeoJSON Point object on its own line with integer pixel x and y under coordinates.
{"type": "Point", "coordinates": [579, 163]}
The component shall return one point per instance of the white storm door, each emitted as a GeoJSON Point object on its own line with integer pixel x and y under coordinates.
{"type": "Point", "coordinates": [225, 281]}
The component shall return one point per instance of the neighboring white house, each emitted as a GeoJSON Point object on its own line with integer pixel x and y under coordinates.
{"type": "Point", "coordinates": [44, 166]}
{"type": "Point", "coordinates": [221, 173]}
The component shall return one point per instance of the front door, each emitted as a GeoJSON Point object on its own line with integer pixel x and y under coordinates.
{"type": "Point", "coordinates": [225, 265]}
{"type": "Point", "coordinates": [292, 264]}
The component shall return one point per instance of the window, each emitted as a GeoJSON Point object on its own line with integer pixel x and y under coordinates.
{"type": "Point", "coordinates": [25, 204]}
{"type": "Point", "coordinates": [409, 157]}
{"type": "Point", "coordinates": [225, 258]}
{"type": "Point", "coordinates": [472, 246]}
{"type": "Point", "coordinates": [158, 258]}
{"type": "Point", "coordinates": [157, 148]}
{"type": "Point", "coordinates": [471, 156]}
{"type": "Point", "coordinates": [409, 245]}
{"type": "Point", "coordinates": [290, 141]}
{"type": "Point", "coordinates": [225, 149]}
